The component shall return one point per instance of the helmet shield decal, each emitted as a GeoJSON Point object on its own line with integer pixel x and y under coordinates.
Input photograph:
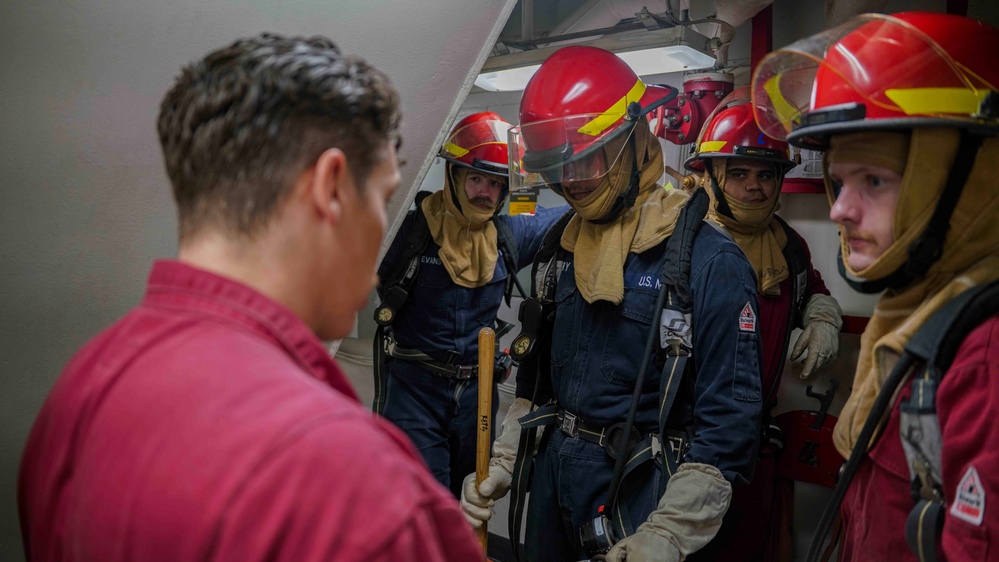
{"type": "Point", "coordinates": [874, 67]}
{"type": "Point", "coordinates": [566, 149]}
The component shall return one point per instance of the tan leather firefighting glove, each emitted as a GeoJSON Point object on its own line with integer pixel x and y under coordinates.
{"type": "Point", "coordinates": [687, 518]}
{"type": "Point", "coordinates": [477, 503]}
{"type": "Point", "coordinates": [823, 319]}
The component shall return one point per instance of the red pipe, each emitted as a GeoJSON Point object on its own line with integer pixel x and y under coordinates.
{"type": "Point", "coordinates": [762, 41]}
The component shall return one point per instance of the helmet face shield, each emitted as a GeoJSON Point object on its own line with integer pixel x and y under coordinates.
{"type": "Point", "coordinates": [874, 67]}
{"type": "Point", "coordinates": [566, 149]}
{"type": "Point", "coordinates": [480, 145]}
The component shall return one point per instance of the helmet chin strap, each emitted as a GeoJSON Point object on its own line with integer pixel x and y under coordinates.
{"type": "Point", "coordinates": [723, 208]}
{"type": "Point", "coordinates": [449, 170]}
{"type": "Point", "coordinates": [627, 199]}
{"type": "Point", "coordinates": [502, 199]}
{"type": "Point", "coordinates": [928, 248]}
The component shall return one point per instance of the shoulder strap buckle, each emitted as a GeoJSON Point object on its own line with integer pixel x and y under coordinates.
{"type": "Point", "coordinates": [678, 347]}
{"type": "Point", "coordinates": [927, 487]}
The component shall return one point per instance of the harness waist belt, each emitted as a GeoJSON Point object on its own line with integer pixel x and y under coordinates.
{"type": "Point", "coordinates": [571, 425]}
{"type": "Point", "coordinates": [462, 372]}
{"type": "Point", "coordinates": [439, 368]}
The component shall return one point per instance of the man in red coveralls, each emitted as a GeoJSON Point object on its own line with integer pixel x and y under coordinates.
{"type": "Point", "coordinates": [906, 108]}
{"type": "Point", "coordinates": [210, 423]}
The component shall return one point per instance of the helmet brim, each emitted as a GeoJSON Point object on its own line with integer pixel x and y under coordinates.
{"type": "Point", "coordinates": [482, 166]}
{"type": "Point", "coordinates": [817, 137]}
{"type": "Point", "coordinates": [696, 163]}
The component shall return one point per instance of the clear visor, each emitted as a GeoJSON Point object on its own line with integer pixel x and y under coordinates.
{"type": "Point", "coordinates": [887, 64]}
{"type": "Point", "coordinates": [576, 148]}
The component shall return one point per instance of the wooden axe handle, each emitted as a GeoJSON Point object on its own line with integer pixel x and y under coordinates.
{"type": "Point", "coordinates": [487, 357]}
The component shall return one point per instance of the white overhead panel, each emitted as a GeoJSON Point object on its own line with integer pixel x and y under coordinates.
{"type": "Point", "coordinates": [659, 51]}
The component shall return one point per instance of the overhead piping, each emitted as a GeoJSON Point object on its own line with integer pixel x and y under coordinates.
{"type": "Point", "coordinates": [719, 42]}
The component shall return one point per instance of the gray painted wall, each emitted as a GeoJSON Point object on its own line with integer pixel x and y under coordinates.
{"type": "Point", "coordinates": [84, 202]}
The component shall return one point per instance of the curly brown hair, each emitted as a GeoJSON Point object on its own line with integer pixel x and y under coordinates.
{"type": "Point", "coordinates": [239, 125]}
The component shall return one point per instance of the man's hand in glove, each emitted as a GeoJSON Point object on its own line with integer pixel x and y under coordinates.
{"type": "Point", "coordinates": [477, 503]}
{"type": "Point", "coordinates": [687, 518]}
{"type": "Point", "coordinates": [823, 319]}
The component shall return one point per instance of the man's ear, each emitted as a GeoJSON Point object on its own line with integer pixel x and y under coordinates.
{"type": "Point", "coordinates": [329, 184]}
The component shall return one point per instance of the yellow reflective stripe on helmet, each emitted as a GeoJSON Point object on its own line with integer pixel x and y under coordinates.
{"type": "Point", "coordinates": [784, 110]}
{"type": "Point", "coordinates": [711, 146]}
{"type": "Point", "coordinates": [452, 148]}
{"type": "Point", "coordinates": [600, 123]}
{"type": "Point", "coordinates": [930, 101]}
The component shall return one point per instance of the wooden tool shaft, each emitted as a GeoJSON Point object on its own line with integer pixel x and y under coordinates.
{"type": "Point", "coordinates": [487, 357]}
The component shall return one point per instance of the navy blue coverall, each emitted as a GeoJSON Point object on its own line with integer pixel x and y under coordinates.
{"type": "Point", "coordinates": [442, 320]}
{"type": "Point", "coordinates": [596, 353]}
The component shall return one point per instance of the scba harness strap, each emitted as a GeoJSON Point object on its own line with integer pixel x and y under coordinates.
{"type": "Point", "coordinates": [935, 346]}
{"type": "Point", "coordinates": [395, 289]}
{"type": "Point", "coordinates": [674, 336]}
{"type": "Point", "coordinates": [925, 360]}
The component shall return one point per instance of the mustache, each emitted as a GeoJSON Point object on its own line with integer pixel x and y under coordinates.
{"type": "Point", "coordinates": [483, 202]}
{"type": "Point", "coordinates": [850, 233]}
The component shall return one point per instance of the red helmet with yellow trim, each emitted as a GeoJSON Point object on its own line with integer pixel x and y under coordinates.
{"type": "Point", "coordinates": [479, 142]}
{"type": "Point", "coordinates": [579, 100]}
{"type": "Point", "coordinates": [883, 72]}
{"type": "Point", "coordinates": [733, 133]}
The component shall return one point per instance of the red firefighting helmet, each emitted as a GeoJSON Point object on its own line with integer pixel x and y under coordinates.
{"type": "Point", "coordinates": [880, 72]}
{"type": "Point", "coordinates": [479, 142]}
{"type": "Point", "coordinates": [580, 99]}
{"type": "Point", "coordinates": [733, 133]}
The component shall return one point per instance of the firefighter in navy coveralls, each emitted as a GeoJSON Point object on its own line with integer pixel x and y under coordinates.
{"type": "Point", "coordinates": [742, 170]}
{"type": "Point", "coordinates": [583, 128]}
{"type": "Point", "coordinates": [432, 389]}
{"type": "Point", "coordinates": [906, 108]}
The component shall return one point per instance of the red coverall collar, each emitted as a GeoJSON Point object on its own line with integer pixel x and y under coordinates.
{"type": "Point", "coordinates": [177, 285]}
